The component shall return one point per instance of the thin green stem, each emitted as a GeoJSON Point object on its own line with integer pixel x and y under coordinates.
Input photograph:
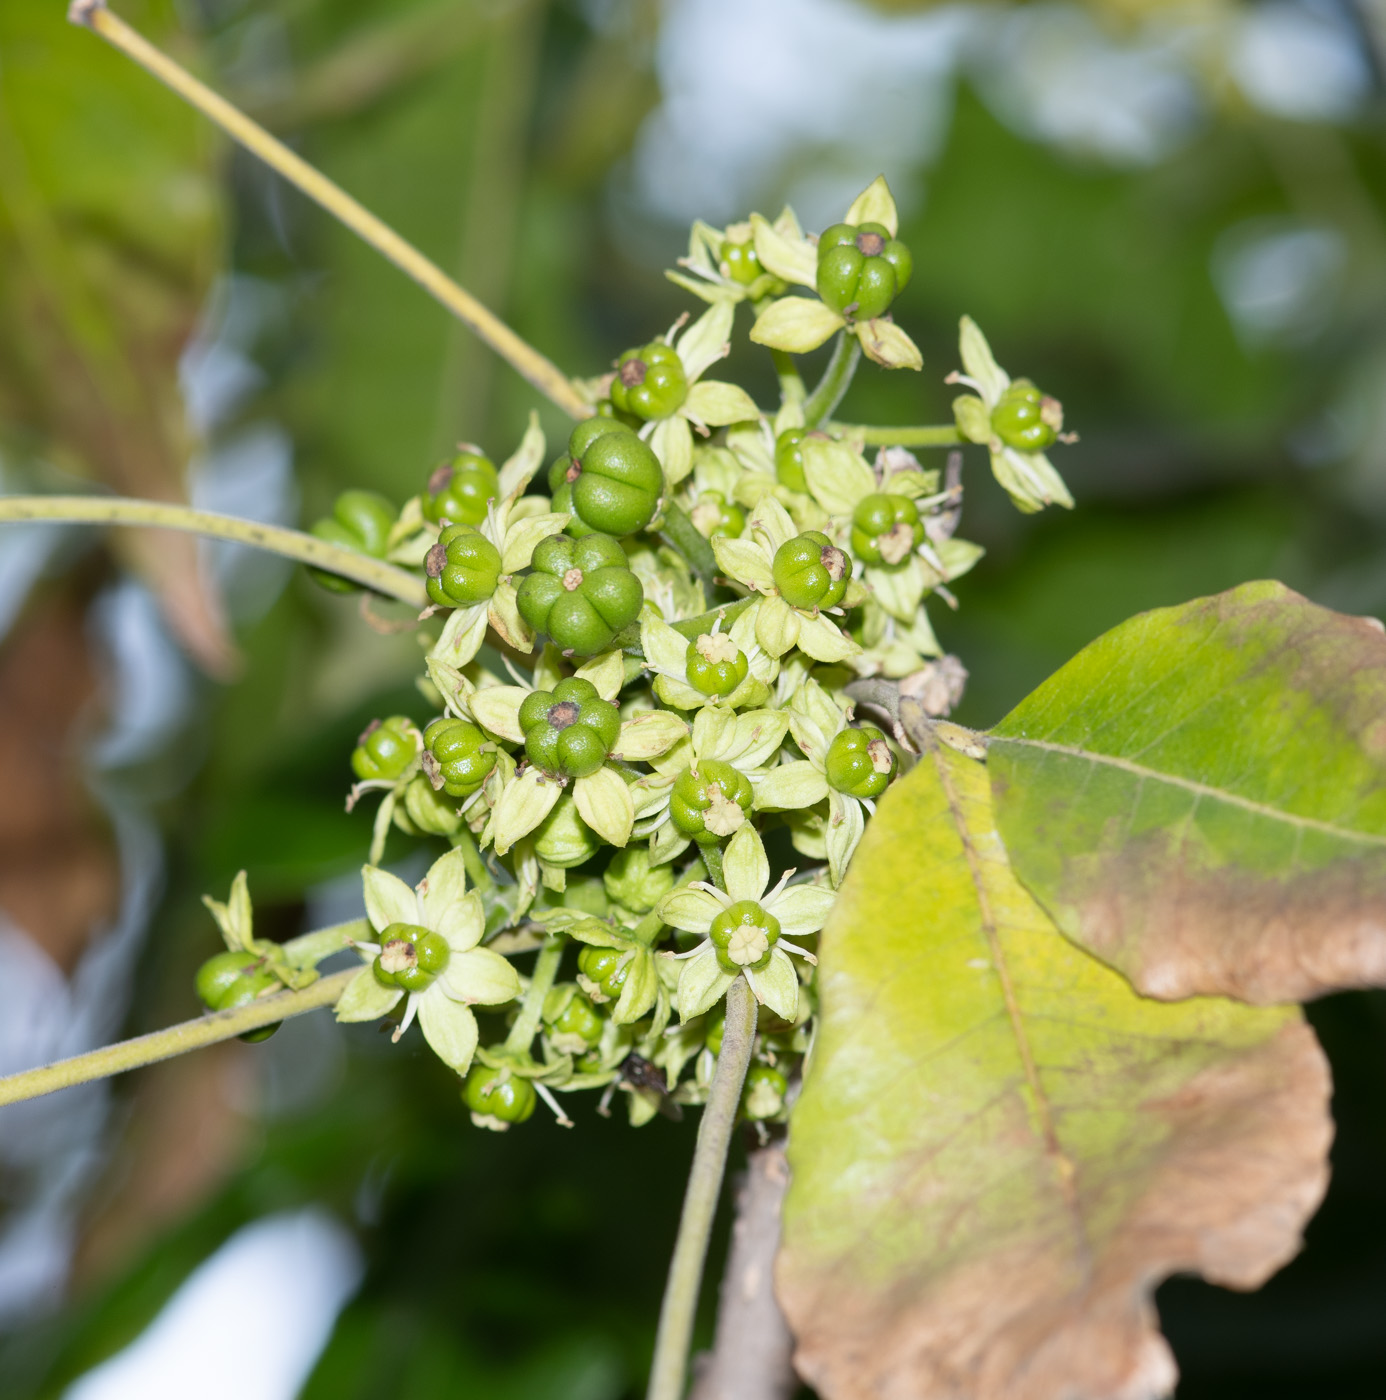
{"type": "Point", "coordinates": [670, 1365]}
{"type": "Point", "coordinates": [292, 544]}
{"type": "Point", "coordinates": [175, 1040]}
{"type": "Point", "coordinates": [682, 535]}
{"type": "Point", "coordinates": [944, 435]}
{"type": "Point", "coordinates": [541, 372]}
{"type": "Point", "coordinates": [828, 392]}
{"type": "Point", "coordinates": [526, 1025]}
{"type": "Point", "coordinates": [477, 872]}
{"type": "Point", "coordinates": [712, 858]}
{"type": "Point", "coordinates": [309, 949]}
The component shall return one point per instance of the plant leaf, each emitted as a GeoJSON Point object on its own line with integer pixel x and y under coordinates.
{"type": "Point", "coordinates": [1199, 797]}
{"type": "Point", "coordinates": [1000, 1148]}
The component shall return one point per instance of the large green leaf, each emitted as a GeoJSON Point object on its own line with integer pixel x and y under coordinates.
{"type": "Point", "coordinates": [1000, 1148]}
{"type": "Point", "coordinates": [1199, 797]}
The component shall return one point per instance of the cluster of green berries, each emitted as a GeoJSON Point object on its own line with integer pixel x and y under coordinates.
{"type": "Point", "coordinates": [861, 269]}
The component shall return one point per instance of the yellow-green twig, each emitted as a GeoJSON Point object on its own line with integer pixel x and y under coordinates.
{"type": "Point", "coordinates": [945, 435]}
{"type": "Point", "coordinates": [175, 1040]}
{"type": "Point", "coordinates": [292, 544]}
{"type": "Point", "coordinates": [540, 371]}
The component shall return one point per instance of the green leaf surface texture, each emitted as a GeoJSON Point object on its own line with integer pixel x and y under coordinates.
{"type": "Point", "coordinates": [1001, 1148]}
{"type": "Point", "coordinates": [1199, 797]}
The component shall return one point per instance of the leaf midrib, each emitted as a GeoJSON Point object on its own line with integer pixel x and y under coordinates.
{"type": "Point", "coordinates": [1191, 785]}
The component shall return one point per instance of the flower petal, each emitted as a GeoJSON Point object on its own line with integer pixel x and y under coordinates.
{"type": "Point", "coordinates": [795, 324]}
{"type": "Point", "coordinates": [714, 404]}
{"type": "Point", "coordinates": [745, 869]}
{"type": "Point", "coordinates": [497, 710]}
{"type": "Point", "coordinates": [745, 561]}
{"type": "Point", "coordinates": [604, 802]}
{"type": "Point", "coordinates": [707, 340]}
{"type": "Point", "coordinates": [462, 923]}
{"type": "Point", "coordinates": [979, 362]}
{"type": "Point", "coordinates": [443, 886]}
{"type": "Point", "coordinates": [388, 899]}
{"type": "Point", "coordinates": [837, 474]}
{"type": "Point", "coordinates": [504, 617]}
{"type": "Point", "coordinates": [607, 672]}
{"type": "Point", "coordinates": [462, 636]}
{"type": "Point", "coordinates": [516, 471]}
{"type": "Point", "coordinates": [688, 909]}
{"type": "Point", "coordinates": [845, 826]}
{"type": "Point", "coordinates": [777, 986]}
{"type": "Point", "coordinates": [450, 1028]}
{"type": "Point", "coordinates": [777, 625]}
{"type": "Point", "coordinates": [639, 990]}
{"type": "Point", "coordinates": [665, 650]}
{"type": "Point", "coordinates": [759, 733]}
{"type": "Point", "coordinates": [801, 909]}
{"type": "Point", "coordinates": [875, 205]}
{"type": "Point", "coordinates": [702, 984]}
{"type": "Point", "coordinates": [523, 535]}
{"type": "Point", "coordinates": [821, 638]}
{"type": "Point", "coordinates": [523, 804]}
{"type": "Point", "coordinates": [790, 786]}
{"type": "Point", "coordinates": [672, 441]}
{"type": "Point", "coordinates": [794, 259]}
{"type": "Point", "coordinates": [365, 999]}
{"type": "Point", "coordinates": [888, 345]}
{"type": "Point", "coordinates": [647, 734]}
{"type": "Point", "coordinates": [480, 975]}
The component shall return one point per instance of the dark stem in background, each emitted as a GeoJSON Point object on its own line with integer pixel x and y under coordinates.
{"type": "Point", "coordinates": [751, 1358]}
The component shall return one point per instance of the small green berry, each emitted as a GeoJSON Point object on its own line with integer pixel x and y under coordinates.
{"type": "Point", "coordinates": [763, 1095]}
{"type": "Point", "coordinates": [581, 1019]}
{"type": "Point", "coordinates": [459, 491]}
{"type": "Point", "coordinates": [606, 970]}
{"type": "Point", "coordinates": [650, 381]}
{"type": "Point", "coordinates": [232, 979]}
{"type": "Point", "coordinates": [743, 936]}
{"type": "Point", "coordinates": [710, 802]}
{"type": "Point", "coordinates": [580, 592]}
{"type": "Point", "coordinates": [885, 530]}
{"type": "Point", "coordinates": [462, 569]}
{"type": "Point", "coordinates": [1026, 419]}
{"type": "Point", "coordinates": [360, 520]}
{"type": "Point", "coordinates": [810, 571]}
{"type": "Point", "coordinates": [714, 517]}
{"type": "Point", "coordinates": [464, 756]}
{"type": "Point", "coordinates": [498, 1094]}
{"type": "Point", "coordinates": [860, 762]}
{"type": "Point", "coordinates": [715, 665]}
{"type": "Point", "coordinates": [410, 957]}
{"type": "Point", "coordinates": [569, 730]}
{"type": "Point", "coordinates": [861, 269]}
{"type": "Point", "coordinates": [609, 479]}
{"type": "Point", "coordinates": [385, 749]}
{"type": "Point", "coordinates": [789, 459]}
{"type": "Point", "coordinates": [633, 883]}
{"type": "Point", "coordinates": [740, 261]}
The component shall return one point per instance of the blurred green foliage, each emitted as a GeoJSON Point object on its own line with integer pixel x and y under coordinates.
{"type": "Point", "coordinates": [488, 135]}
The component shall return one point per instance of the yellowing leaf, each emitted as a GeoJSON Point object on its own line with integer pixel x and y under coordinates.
{"type": "Point", "coordinates": [1000, 1148]}
{"type": "Point", "coordinates": [1199, 797]}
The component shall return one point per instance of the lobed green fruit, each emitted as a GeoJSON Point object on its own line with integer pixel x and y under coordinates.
{"type": "Point", "coordinates": [789, 459]}
{"type": "Point", "coordinates": [650, 382]}
{"type": "Point", "coordinates": [565, 840]}
{"type": "Point", "coordinates": [1026, 419]}
{"type": "Point", "coordinates": [430, 810]}
{"type": "Point", "coordinates": [232, 979]}
{"type": "Point", "coordinates": [860, 762]}
{"type": "Point", "coordinates": [740, 261]}
{"type": "Point", "coordinates": [385, 749]}
{"type": "Point", "coordinates": [570, 729]}
{"type": "Point", "coordinates": [743, 936]}
{"type": "Point", "coordinates": [465, 756]}
{"type": "Point", "coordinates": [604, 968]}
{"type": "Point", "coordinates": [360, 520]}
{"type": "Point", "coordinates": [704, 794]}
{"type": "Point", "coordinates": [633, 883]}
{"type": "Point", "coordinates": [462, 569]}
{"type": "Point", "coordinates": [580, 1018]}
{"type": "Point", "coordinates": [886, 530]}
{"type": "Point", "coordinates": [715, 665]}
{"type": "Point", "coordinates": [580, 592]}
{"type": "Point", "coordinates": [499, 1094]}
{"type": "Point", "coordinates": [459, 491]}
{"type": "Point", "coordinates": [861, 269]}
{"type": "Point", "coordinates": [764, 1091]}
{"type": "Point", "coordinates": [410, 957]}
{"type": "Point", "coordinates": [810, 571]}
{"type": "Point", "coordinates": [609, 479]}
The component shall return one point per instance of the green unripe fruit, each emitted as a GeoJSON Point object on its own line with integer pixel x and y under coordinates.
{"type": "Point", "coordinates": [1026, 419]}
{"type": "Point", "coordinates": [740, 262]}
{"type": "Point", "coordinates": [711, 803]}
{"type": "Point", "coordinates": [650, 381]}
{"type": "Point", "coordinates": [861, 269]}
{"type": "Point", "coordinates": [564, 839]}
{"type": "Point", "coordinates": [810, 571]}
{"type": "Point", "coordinates": [463, 754]}
{"type": "Point", "coordinates": [459, 491]}
{"type": "Point", "coordinates": [360, 520]}
{"type": "Point", "coordinates": [433, 812]}
{"type": "Point", "coordinates": [743, 935]}
{"type": "Point", "coordinates": [580, 1018]}
{"type": "Point", "coordinates": [713, 516]}
{"type": "Point", "coordinates": [385, 749]}
{"type": "Point", "coordinates": [570, 729]}
{"type": "Point", "coordinates": [606, 969]}
{"type": "Point", "coordinates": [607, 409]}
{"type": "Point", "coordinates": [860, 762]}
{"type": "Point", "coordinates": [410, 957]}
{"type": "Point", "coordinates": [763, 1095]}
{"type": "Point", "coordinates": [633, 883]}
{"type": "Point", "coordinates": [499, 1094]}
{"type": "Point", "coordinates": [886, 530]}
{"type": "Point", "coordinates": [789, 459]}
{"type": "Point", "coordinates": [462, 569]}
{"type": "Point", "coordinates": [715, 664]}
{"type": "Point", "coordinates": [232, 979]}
{"type": "Point", "coordinates": [609, 479]}
{"type": "Point", "coordinates": [580, 592]}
